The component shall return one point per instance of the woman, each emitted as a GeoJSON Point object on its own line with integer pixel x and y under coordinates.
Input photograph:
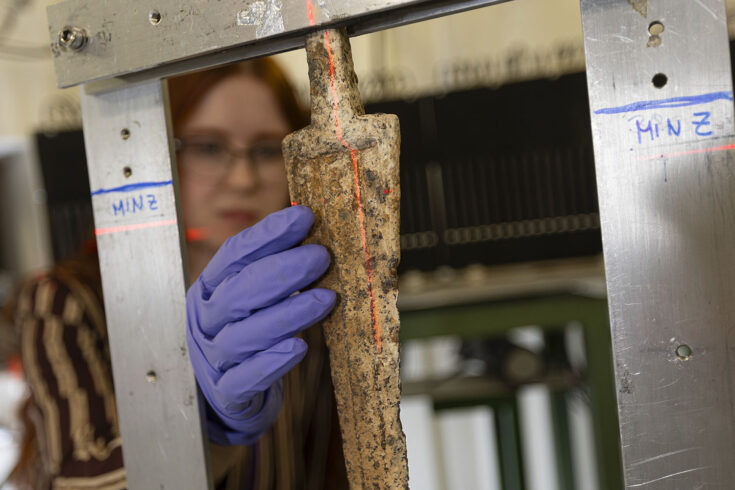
{"type": "Point", "coordinates": [228, 125]}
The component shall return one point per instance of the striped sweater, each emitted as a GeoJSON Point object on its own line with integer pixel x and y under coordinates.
{"type": "Point", "coordinates": [66, 361]}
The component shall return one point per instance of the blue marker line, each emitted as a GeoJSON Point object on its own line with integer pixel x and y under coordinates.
{"type": "Point", "coordinates": [667, 103]}
{"type": "Point", "coordinates": [133, 187]}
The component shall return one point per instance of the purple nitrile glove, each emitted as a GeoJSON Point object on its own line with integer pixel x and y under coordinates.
{"type": "Point", "coordinates": [242, 317]}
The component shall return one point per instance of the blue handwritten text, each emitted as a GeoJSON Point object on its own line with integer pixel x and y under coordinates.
{"type": "Point", "coordinates": [648, 130]}
{"type": "Point", "coordinates": [135, 204]}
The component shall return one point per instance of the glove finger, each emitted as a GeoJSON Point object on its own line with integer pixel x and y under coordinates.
{"type": "Point", "coordinates": [276, 232]}
{"type": "Point", "coordinates": [241, 383]}
{"type": "Point", "coordinates": [261, 284]}
{"type": "Point", "coordinates": [265, 328]}
{"type": "Point", "coordinates": [226, 431]}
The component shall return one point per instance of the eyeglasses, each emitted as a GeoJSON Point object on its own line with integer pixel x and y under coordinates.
{"type": "Point", "coordinates": [213, 157]}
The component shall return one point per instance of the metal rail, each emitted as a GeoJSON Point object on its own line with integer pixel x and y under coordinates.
{"type": "Point", "coordinates": [661, 100]}
{"type": "Point", "coordinates": [142, 39]}
{"type": "Point", "coordinates": [137, 226]}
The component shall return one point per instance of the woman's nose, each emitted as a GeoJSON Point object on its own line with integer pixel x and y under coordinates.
{"type": "Point", "coordinates": [242, 175]}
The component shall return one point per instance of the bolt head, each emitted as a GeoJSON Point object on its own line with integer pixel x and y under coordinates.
{"type": "Point", "coordinates": [72, 38]}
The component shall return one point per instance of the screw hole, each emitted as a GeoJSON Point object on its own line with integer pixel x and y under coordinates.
{"type": "Point", "coordinates": [125, 133]}
{"type": "Point", "coordinates": [660, 80]}
{"type": "Point", "coordinates": [151, 377]}
{"type": "Point", "coordinates": [66, 36]}
{"type": "Point", "coordinates": [684, 352]}
{"type": "Point", "coordinates": [127, 172]}
{"type": "Point", "coordinates": [655, 28]}
{"type": "Point", "coordinates": [154, 17]}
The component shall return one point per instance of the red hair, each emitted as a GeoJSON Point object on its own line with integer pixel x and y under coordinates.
{"type": "Point", "coordinates": [186, 91]}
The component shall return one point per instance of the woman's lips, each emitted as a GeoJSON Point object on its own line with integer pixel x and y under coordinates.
{"type": "Point", "coordinates": [238, 217]}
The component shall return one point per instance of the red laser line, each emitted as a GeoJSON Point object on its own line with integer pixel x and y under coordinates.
{"type": "Point", "coordinates": [195, 234]}
{"type": "Point", "coordinates": [138, 226]}
{"type": "Point", "coordinates": [353, 154]}
{"type": "Point", "coordinates": [711, 149]}
{"type": "Point", "coordinates": [310, 12]}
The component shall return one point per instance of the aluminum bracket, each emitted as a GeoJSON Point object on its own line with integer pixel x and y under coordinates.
{"type": "Point", "coordinates": [661, 99]}
{"type": "Point", "coordinates": [137, 227]}
{"type": "Point", "coordinates": [100, 39]}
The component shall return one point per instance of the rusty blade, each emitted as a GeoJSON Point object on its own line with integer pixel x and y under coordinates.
{"type": "Point", "coordinates": [344, 166]}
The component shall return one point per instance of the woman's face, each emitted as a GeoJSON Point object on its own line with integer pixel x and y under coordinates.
{"type": "Point", "coordinates": [232, 173]}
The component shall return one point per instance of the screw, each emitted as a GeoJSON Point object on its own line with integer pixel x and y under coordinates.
{"type": "Point", "coordinates": [72, 38]}
{"type": "Point", "coordinates": [684, 352]}
{"type": "Point", "coordinates": [655, 28]}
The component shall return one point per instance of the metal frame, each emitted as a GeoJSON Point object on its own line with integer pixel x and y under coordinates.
{"type": "Point", "coordinates": [664, 181]}
{"type": "Point", "coordinates": [131, 176]}
{"type": "Point", "coordinates": [99, 40]}
{"type": "Point", "coordinates": [662, 121]}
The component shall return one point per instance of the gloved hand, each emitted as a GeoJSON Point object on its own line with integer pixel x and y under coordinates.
{"type": "Point", "coordinates": [242, 318]}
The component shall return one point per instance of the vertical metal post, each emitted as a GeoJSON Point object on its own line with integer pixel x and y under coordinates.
{"type": "Point", "coordinates": [662, 117]}
{"type": "Point", "coordinates": [139, 239]}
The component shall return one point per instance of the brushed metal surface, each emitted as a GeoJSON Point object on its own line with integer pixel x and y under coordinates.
{"type": "Point", "coordinates": [667, 205]}
{"type": "Point", "coordinates": [124, 40]}
{"type": "Point", "coordinates": [140, 254]}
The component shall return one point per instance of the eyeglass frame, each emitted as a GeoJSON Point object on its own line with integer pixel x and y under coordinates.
{"type": "Point", "coordinates": [232, 155]}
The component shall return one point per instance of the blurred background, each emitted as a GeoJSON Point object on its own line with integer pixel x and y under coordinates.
{"type": "Point", "coordinates": [506, 361]}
